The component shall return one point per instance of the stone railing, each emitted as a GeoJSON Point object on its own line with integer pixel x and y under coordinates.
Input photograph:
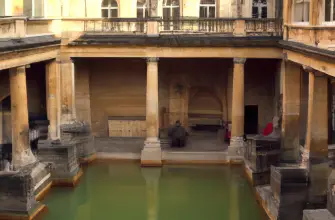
{"type": "Point", "coordinates": [322, 36]}
{"type": "Point", "coordinates": [69, 28]}
{"type": "Point", "coordinates": [197, 25]}
{"type": "Point", "coordinates": [117, 25]}
{"type": "Point", "coordinates": [272, 27]}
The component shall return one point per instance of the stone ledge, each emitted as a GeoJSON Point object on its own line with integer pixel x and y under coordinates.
{"type": "Point", "coordinates": [71, 181]}
{"type": "Point", "coordinates": [33, 214]}
{"type": "Point", "coordinates": [317, 214]}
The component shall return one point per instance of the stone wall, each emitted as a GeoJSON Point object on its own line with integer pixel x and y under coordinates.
{"type": "Point", "coordinates": [118, 88]}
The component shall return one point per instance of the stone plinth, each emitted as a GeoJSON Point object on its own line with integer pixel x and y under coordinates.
{"type": "Point", "coordinates": [260, 154]}
{"type": "Point", "coordinates": [79, 133]}
{"type": "Point", "coordinates": [151, 154]}
{"type": "Point", "coordinates": [17, 199]}
{"type": "Point", "coordinates": [63, 160]}
{"type": "Point", "coordinates": [236, 149]}
{"type": "Point", "coordinates": [318, 214]}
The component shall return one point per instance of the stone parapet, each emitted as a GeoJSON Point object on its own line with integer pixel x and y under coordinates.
{"type": "Point", "coordinates": [63, 159]}
{"type": "Point", "coordinates": [17, 197]}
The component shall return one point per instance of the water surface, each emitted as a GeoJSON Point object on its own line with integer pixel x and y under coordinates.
{"type": "Point", "coordinates": [125, 191]}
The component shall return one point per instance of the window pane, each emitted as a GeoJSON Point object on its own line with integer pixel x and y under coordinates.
{"type": "Point", "coordinates": [333, 10]}
{"type": "Point", "coordinates": [113, 3]}
{"type": "Point", "coordinates": [264, 12]}
{"type": "Point", "coordinates": [104, 3]}
{"type": "Point", "coordinates": [175, 2]}
{"type": "Point", "coordinates": [254, 12]}
{"type": "Point", "coordinates": [113, 13]}
{"type": "Point", "coordinates": [39, 8]}
{"type": "Point", "coordinates": [2, 7]}
{"type": "Point", "coordinates": [207, 2]}
{"type": "Point", "coordinates": [104, 13]}
{"type": "Point", "coordinates": [166, 13]}
{"type": "Point", "coordinates": [139, 12]}
{"type": "Point", "coordinates": [176, 13]}
{"type": "Point", "coordinates": [27, 7]}
{"type": "Point", "coordinates": [301, 11]}
{"type": "Point", "coordinates": [211, 12]}
{"type": "Point", "coordinates": [203, 12]}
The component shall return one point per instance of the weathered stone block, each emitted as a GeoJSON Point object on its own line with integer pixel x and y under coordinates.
{"type": "Point", "coordinates": [317, 214]}
{"type": "Point", "coordinates": [17, 196]}
{"type": "Point", "coordinates": [262, 152]}
{"type": "Point", "coordinates": [289, 187]}
{"type": "Point", "coordinates": [63, 160]}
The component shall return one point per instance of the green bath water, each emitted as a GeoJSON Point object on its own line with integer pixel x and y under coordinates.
{"type": "Point", "coordinates": [125, 191]}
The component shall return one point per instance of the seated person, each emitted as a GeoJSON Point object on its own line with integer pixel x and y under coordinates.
{"type": "Point", "coordinates": [178, 135]}
{"type": "Point", "coordinates": [34, 135]}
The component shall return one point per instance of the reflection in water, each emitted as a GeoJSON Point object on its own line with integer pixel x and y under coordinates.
{"type": "Point", "coordinates": [151, 176]}
{"type": "Point", "coordinates": [126, 191]}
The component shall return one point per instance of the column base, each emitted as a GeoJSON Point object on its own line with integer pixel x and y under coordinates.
{"type": "Point", "coordinates": [17, 198]}
{"type": "Point", "coordinates": [151, 155]}
{"type": "Point", "coordinates": [41, 179]}
{"type": "Point", "coordinates": [236, 149]}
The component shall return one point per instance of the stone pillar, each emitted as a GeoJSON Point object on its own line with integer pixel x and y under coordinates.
{"type": "Point", "coordinates": [239, 8]}
{"type": "Point", "coordinates": [68, 111]}
{"type": "Point", "coordinates": [291, 111]}
{"type": "Point", "coordinates": [151, 153]}
{"type": "Point", "coordinates": [287, 15]}
{"type": "Point", "coordinates": [53, 99]}
{"type": "Point", "coordinates": [151, 177]}
{"type": "Point", "coordinates": [22, 154]}
{"type": "Point", "coordinates": [236, 142]}
{"type": "Point", "coordinates": [315, 155]}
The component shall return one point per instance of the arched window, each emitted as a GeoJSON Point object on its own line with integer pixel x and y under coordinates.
{"type": "Point", "coordinates": [171, 9]}
{"type": "Point", "coordinates": [259, 9]}
{"type": "Point", "coordinates": [207, 9]}
{"type": "Point", "coordinates": [109, 9]}
{"type": "Point", "coordinates": [142, 9]}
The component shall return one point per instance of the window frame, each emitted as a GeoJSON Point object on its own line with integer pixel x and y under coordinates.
{"type": "Point", "coordinates": [109, 8]}
{"type": "Point", "coordinates": [144, 9]}
{"type": "Point", "coordinates": [207, 6]}
{"type": "Point", "coordinates": [171, 7]}
{"type": "Point", "coordinates": [302, 23]}
{"type": "Point", "coordinates": [259, 14]}
{"type": "Point", "coordinates": [331, 21]}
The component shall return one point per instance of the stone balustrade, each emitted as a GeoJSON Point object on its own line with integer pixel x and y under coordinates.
{"type": "Point", "coordinates": [317, 36]}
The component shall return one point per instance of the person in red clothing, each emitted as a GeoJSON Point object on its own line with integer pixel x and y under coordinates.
{"type": "Point", "coordinates": [268, 129]}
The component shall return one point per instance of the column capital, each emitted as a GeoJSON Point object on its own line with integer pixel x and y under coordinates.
{"type": "Point", "coordinates": [64, 60]}
{"type": "Point", "coordinates": [239, 60]}
{"type": "Point", "coordinates": [316, 73]}
{"type": "Point", "coordinates": [152, 59]}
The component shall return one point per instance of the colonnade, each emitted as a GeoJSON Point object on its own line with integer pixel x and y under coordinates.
{"type": "Point", "coordinates": [61, 110]}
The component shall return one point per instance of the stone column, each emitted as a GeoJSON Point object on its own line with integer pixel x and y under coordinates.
{"type": "Point", "coordinates": [287, 15]}
{"type": "Point", "coordinates": [315, 155]}
{"type": "Point", "coordinates": [151, 153]}
{"type": "Point", "coordinates": [53, 98]}
{"type": "Point", "coordinates": [236, 142]}
{"type": "Point", "coordinates": [291, 112]}
{"type": "Point", "coordinates": [68, 111]}
{"type": "Point", "coordinates": [22, 154]}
